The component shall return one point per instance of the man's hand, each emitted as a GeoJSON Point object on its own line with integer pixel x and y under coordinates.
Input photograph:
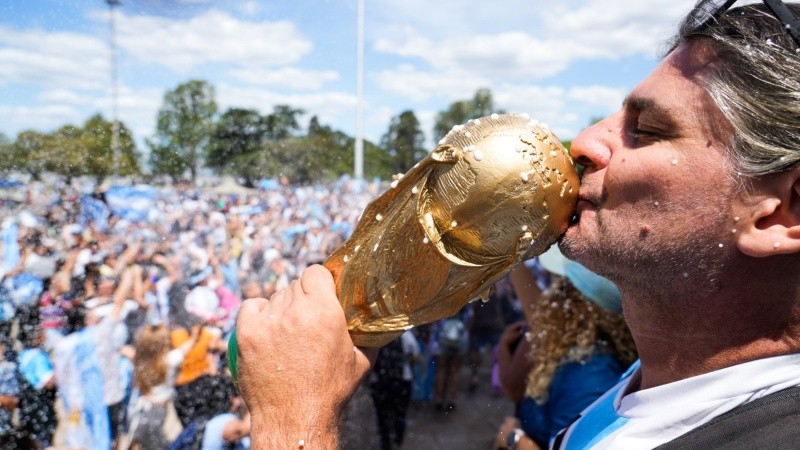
{"type": "Point", "coordinates": [297, 365]}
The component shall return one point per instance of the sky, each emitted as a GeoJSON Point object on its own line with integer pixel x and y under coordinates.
{"type": "Point", "coordinates": [562, 62]}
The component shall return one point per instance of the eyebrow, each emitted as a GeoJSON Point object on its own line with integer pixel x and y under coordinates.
{"type": "Point", "coordinates": [642, 104]}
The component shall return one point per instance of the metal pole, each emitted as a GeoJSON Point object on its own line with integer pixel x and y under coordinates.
{"type": "Point", "coordinates": [359, 150]}
{"type": "Point", "coordinates": [114, 87]}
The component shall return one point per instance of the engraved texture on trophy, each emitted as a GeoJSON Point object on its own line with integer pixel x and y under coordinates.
{"type": "Point", "coordinates": [494, 192]}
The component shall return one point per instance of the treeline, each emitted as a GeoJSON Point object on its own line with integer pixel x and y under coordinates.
{"type": "Point", "coordinates": [192, 134]}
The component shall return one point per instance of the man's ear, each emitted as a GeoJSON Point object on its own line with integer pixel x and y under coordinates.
{"type": "Point", "coordinates": [770, 224]}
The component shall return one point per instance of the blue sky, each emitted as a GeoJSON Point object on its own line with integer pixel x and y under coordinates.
{"type": "Point", "coordinates": [561, 62]}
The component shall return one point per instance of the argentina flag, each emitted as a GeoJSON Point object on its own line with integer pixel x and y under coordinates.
{"type": "Point", "coordinates": [132, 203]}
{"type": "Point", "coordinates": [95, 211]}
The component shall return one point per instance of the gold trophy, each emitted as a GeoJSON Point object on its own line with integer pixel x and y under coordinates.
{"type": "Point", "coordinates": [496, 191]}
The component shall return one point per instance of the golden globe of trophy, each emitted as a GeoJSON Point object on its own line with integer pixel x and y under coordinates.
{"type": "Point", "coordinates": [496, 191]}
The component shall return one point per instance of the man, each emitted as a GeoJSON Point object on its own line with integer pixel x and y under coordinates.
{"type": "Point", "coordinates": [690, 203]}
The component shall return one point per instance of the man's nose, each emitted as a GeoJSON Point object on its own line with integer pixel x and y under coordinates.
{"type": "Point", "coordinates": [591, 148]}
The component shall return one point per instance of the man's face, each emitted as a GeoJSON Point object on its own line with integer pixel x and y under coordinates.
{"type": "Point", "coordinates": [657, 198]}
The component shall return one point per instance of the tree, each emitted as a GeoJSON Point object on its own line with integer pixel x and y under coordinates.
{"type": "Point", "coordinates": [27, 153]}
{"type": "Point", "coordinates": [99, 154]}
{"type": "Point", "coordinates": [461, 111]}
{"type": "Point", "coordinates": [182, 130]}
{"type": "Point", "coordinates": [283, 121]}
{"type": "Point", "coordinates": [238, 136]}
{"type": "Point", "coordinates": [404, 141]}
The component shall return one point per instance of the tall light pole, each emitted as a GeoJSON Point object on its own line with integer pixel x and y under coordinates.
{"type": "Point", "coordinates": [359, 150]}
{"type": "Point", "coordinates": [114, 85]}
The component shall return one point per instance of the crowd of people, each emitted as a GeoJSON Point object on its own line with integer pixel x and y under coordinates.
{"type": "Point", "coordinates": [106, 327]}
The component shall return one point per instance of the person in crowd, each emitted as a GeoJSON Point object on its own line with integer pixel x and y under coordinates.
{"type": "Point", "coordinates": [198, 381]}
{"type": "Point", "coordinates": [155, 369]}
{"type": "Point", "coordinates": [689, 203]}
{"type": "Point", "coordinates": [37, 384]}
{"type": "Point", "coordinates": [572, 347]}
{"type": "Point", "coordinates": [390, 385]}
{"type": "Point", "coordinates": [485, 325]}
{"type": "Point", "coordinates": [9, 395]}
{"type": "Point", "coordinates": [452, 348]}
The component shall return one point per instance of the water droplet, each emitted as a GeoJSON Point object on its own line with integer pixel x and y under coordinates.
{"type": "Point", "coordinates": [721, 245]}
{"type": "Point", "coordinates": [674, 162]}
{"type": "Point", "coordinates": [378, 217]}
{"type": "Point", "coordinates": [394, 184]}
{"type": "Point", "coordinates": [553, 153]}
{"type": "Point", "coordinates": [346, 258]}
{"type": "Point", "coordinates": [425, 240]}
{"type": "Point", "coordinates": [655, 203]}
{"type": "Point", "coordinates": [375, 248]}
{"type": "Point", "coordinates": [469, 148]}
{"type": "Point", "coordinates": [524, 176]}
{"type": "Point", "coordinates": [685, 274]}
{"type": "Point", "coordinates": [776, 245]}
{"type": "Point", "coordinates": [478, 155]}
{"type": "Point", "coordinates": [280, 369]}
{"type": "Point", "coordinates": [477, 121]}
{"type": "Point", "coordinates": [494, 116]}
{"type": "Point", "coordinates": [357, 247]}
{"type": "Point", "coordinates": [301, 443]}
{"type": "Point", "coordinates": [414, 190]}
{"type": "Point", "coordinates": [453, 224]}
{"type": "Point", "coordinates": [736, 219]}
{"type": "Point", "coordinates": [733, 231]}
{"type": "Point", "coordinates": [524, 228]}
{"type": "Point", "coordinates": [467, 134]}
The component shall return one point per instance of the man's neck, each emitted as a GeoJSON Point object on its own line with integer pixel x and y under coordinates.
{"type": "Point", "coordinates": [678, 342]}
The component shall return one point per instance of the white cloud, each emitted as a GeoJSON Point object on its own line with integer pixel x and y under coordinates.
{"type": "Point", "coordinates": [211, 37]}
{"type": "Point", "coordinates": [419, 86]}
{"type": "Point", "coordinates": [557, 35]}
{"type": "Point", "coordinates": [331, 107]}
{"type": "Point", "coordinates": [288, 77]}
{"type": "Point", "coordinates": [43, 118]}
{"type": "Point", "coordinates": [60, 59]}
{"type": "Point", "coordinates": [603, 96]}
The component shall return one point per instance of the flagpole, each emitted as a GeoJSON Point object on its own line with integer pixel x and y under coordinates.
{"type": "Point", "coordinates": [359, 150]}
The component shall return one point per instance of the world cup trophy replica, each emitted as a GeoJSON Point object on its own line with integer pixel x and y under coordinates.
{"type": "Point", "coordinates": [494, 192]}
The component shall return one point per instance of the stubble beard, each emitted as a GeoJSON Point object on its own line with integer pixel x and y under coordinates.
{"type": "Point", "coordinates": [657, 266]}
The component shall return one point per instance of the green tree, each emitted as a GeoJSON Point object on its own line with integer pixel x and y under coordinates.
{"type": "Point", "coordinates": [404, 141]}
{"type": "Point", "coordinates": [238, 137]}
{"type": "Point", "coordinates": [283, 122]}
{"type": "Point", "coordinates": [99, 154]}
{"type": "Point", "coordinates": [184, 124]}
{"type": "Point", "coordinates": [27, 153]}
{"type": "Point", "coordinates": [461, 111]}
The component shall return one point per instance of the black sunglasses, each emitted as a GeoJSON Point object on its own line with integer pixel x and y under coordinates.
{"type": "Point", "coordinates": [713, 9]}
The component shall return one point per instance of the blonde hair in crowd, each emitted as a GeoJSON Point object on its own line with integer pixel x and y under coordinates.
{"type": "Point", "coordinates": [149, 363]}
{"type": "Point", "coordinates": [568, 327]}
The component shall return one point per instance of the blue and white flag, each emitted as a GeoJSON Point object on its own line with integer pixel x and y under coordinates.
{"type": "Point", "coordinates": [132, 203]}
{"type": "Point", "coordinates": [10, 248]}
{"type": "Point", "coordinates": [95, 211]}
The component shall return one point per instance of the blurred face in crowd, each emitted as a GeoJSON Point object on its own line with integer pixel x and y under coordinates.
{"type": "Point", "coordinates": [657, 193]}
{"type": "Point", "coordinates": [252, 289]}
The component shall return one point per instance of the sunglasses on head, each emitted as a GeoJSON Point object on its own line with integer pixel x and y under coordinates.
{"type": "Point", "coordinates": [713, 9]}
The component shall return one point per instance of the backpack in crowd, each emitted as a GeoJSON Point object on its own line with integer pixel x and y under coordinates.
{"type": "Point", "coordinates": [451, 337]}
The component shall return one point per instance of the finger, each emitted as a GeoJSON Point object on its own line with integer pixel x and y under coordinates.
{"type": "Point", "coordinates": [316, 279]}
{"type": "Point", "coordinates": [251, 308]}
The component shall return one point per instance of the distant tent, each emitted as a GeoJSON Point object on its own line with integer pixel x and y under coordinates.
{"type": "Point", "coordinates": [230, 187]}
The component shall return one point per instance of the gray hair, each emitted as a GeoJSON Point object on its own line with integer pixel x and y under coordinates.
{"type": "Point", "coordinates": [755, 83]}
